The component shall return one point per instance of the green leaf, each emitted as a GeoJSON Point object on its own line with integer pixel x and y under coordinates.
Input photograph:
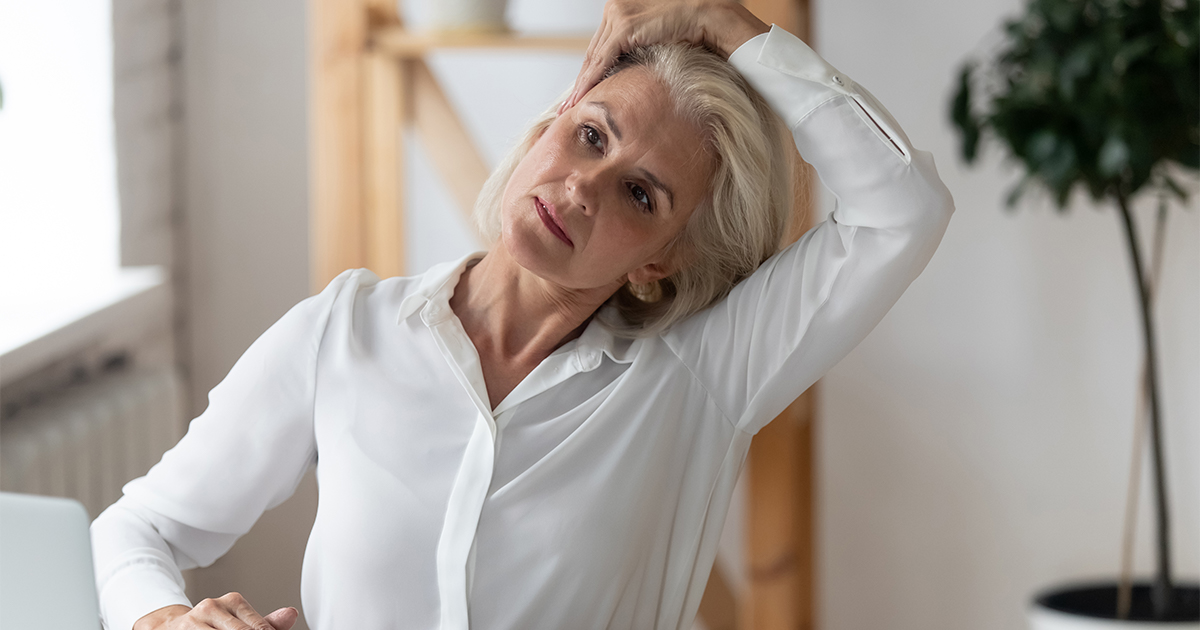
{"type": "Point", "coordinates": [1077, 65]}
{"type": "Point", "coordinates": [960, 114]}
{"type": "Point", "coordinates": [1042, 146]}
{"type": "Point", "coordinates": [1131, 52]}
{"type": "Point", "coordinates": [1097, 93]}
{"type": "Point", "coordinates": [1114, 157]}
{"type": "Point", "coordinates": [1063, 15]}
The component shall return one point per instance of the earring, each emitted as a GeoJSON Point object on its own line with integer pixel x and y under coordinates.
{"type": "Point", "coordinates": [650, 292]}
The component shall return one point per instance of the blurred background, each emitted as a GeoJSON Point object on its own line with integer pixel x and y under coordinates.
{"type": "Point", "coordinates": [155, 219]}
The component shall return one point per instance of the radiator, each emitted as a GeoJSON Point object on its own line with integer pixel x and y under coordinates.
{"type": "Point", "coordinates": [86, 441]}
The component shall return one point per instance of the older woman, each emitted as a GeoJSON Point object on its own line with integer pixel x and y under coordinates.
{"type": "Point", "coordinates": [548, 435]}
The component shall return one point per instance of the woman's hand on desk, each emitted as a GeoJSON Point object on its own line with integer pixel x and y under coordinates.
{"type": "Point", "coordinates": [721, 25]}
{"type": "Point", "coordinates": [228, 612]}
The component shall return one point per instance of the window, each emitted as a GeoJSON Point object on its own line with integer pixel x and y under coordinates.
{"type": "Point", "coordinates": [58, 189]}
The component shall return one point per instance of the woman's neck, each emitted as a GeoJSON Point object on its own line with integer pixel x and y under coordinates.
{"type": "Point", "coordinates": [512, 315]}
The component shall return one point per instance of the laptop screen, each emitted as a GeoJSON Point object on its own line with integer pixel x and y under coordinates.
{"type": "Point", "coordinates": [46, 578]}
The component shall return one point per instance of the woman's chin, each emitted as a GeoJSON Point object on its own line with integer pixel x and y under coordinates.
{"type": "Point", "coordinates": [547, 257]}
{"type": "Point", "coordinates": [532, 254]}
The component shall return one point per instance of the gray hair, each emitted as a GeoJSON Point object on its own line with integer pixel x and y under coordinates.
{"type": "Point", "coordinates": [745, 214]}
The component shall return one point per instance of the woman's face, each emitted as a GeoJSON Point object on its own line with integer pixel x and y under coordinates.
{"type": "Point", "coordinates": [606, 188]}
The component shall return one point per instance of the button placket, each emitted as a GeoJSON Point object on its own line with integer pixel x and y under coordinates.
{"type": "Point", "coordinates": [462, 519]}
{"type": "Point", "coordinates": [469, 491]}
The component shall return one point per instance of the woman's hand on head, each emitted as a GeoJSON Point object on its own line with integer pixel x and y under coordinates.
{"type": "Point", "coordinates": [228, 612]}
{"type": "Point", "coordinates": [721, 25]}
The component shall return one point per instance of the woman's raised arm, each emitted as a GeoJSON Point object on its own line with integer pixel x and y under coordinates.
{"type": "Point", "coordinates": [783, 327]}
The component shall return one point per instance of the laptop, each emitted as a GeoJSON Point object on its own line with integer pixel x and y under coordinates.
{"type": "Point", "coordinates": [46, 578]}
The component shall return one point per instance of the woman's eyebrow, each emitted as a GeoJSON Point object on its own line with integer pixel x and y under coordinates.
{"type": "Point", "coordinates": [612, 125]}
{"type": "Point", "coordinates": [608, 119]}
{"type": "Point", "coordinates": [655, 182]}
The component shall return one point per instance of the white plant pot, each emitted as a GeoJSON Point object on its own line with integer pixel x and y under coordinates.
{"type": "Point", "coordinates": [467, 15]}
{"type": "Point", "coordinates": [1044, 616]}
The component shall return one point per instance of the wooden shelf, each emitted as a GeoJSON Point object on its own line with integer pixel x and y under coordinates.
{"type": "Point", "coordinates": [400, 42]}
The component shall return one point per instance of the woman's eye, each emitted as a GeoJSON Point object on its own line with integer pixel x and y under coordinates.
{"type": "Point", "coordinates": [640, 196]}
{"type": "Point", "coordinates": [591, 136]}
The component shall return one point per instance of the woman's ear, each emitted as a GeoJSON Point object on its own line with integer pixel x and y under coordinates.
{"type": "Point", "coordinates": [650, 272]}
{"type": "Point", "coordinates": [675, 257]}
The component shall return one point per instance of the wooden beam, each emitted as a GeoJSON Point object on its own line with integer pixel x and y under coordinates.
{"type": "Point", "coordinates": [383, 162]}
{"type": "Point", "coordinates": [781, 536]}
{"type": "Point", "coordinates": [718, 606]}
{"type": "Point", "coordinates": [447, 141]}
{"type": "Point", "coordinates": [780, 525]}
{"type": "Point", "coordinates": [337, 29]}
{"type": "Point", "coordinates": [403, 43]}
{"type": "Point", "coordinates": [794, 16]}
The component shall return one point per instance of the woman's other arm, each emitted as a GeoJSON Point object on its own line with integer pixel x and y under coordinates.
{"type": "Point", "coordinates": [245, 454]}
{"type": "Point", "coordinates": [142, 573]}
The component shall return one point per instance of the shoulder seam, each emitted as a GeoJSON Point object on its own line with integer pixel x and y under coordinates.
{"type": "Point", "coordinates": [343, 279]}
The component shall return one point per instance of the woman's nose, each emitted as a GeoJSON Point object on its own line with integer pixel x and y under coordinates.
{"type": "Point", "coordinates": [582, 188]}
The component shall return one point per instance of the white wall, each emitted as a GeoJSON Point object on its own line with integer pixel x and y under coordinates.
{"type": "Point", "coordinates": [246, 243]}
{"type": "Point", "coordinates": [975, 447]}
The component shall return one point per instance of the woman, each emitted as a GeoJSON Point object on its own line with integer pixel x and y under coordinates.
{"type": "Point", "coordinates": [548, 436]}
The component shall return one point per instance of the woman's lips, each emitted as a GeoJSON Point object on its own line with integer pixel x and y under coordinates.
{"type": "Point", "coordinates": [549, 217]}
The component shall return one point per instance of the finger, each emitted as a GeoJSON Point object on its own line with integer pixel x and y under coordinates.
{"type": "Point", "coordinates": [591, 60]}
{"type": "Point", "coordinates": [562, 107]}
{"type": "Point", "coordinates": [248, 618]}
{"type": "Point", "coordinates": [218, 613]}
{"type": "Point", "coordinates": [597, 37]}
{"type": "Point", "coordinates": [284, 618]}
{"type": "Point", "coordinates": [242, 614]}
{"type": "Point", "coordinates": [602, 60]}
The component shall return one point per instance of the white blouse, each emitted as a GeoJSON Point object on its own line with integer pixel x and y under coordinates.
{"type": "Point", "coordinates": [592, 496]}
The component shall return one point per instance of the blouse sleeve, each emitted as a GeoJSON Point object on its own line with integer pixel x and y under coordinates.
{"type": "Point", "coordinates": [808, 306]}
{"type": "Point", "coordinates": [244, 455]}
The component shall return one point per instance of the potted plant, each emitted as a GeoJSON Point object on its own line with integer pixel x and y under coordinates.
{"type": "Point", "coordinates": [1103, 95]}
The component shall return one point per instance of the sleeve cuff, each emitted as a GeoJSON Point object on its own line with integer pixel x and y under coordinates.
{"type": "Point", "coordinates": [764, 57]}
{"type": "Point", "coordinates": [138, 589]}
